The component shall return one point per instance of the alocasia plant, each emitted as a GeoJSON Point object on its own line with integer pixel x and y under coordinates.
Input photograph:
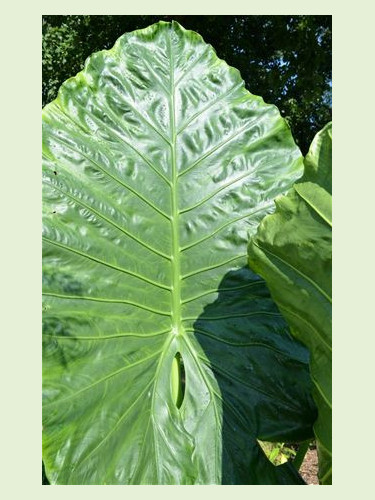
{"type": "Point", "coordinates": [292, 250]}
{"type": "Point", "coordinates": [159, 366]}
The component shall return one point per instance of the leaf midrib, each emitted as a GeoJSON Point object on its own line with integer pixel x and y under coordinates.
{"type": "Point", "coordinates": [176, 262]}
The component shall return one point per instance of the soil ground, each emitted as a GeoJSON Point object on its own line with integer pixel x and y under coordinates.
{"type": "Point", "coordinates": [309, 467]}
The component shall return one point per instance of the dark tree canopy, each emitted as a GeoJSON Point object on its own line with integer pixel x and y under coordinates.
{"type": "Point", "coordinates": [284, 59]}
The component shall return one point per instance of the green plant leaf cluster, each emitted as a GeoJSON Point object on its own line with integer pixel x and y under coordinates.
{"type": "Point", "coordinates": [292, 250]}
{"type": "Point", "coordinates": [165, 358]}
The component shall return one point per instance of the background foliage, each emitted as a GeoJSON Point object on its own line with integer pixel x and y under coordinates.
{"type": "Point", "coordinates": [285, 59]}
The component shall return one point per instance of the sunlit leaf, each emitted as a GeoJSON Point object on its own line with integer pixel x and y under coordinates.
{"type": "Point", "coordinates": [159, 366]}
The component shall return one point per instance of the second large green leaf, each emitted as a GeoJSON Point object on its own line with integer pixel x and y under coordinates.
{"type": "Point", "coordinates": [292, 250]}
{"type": "Point", "coordinates": [158, 164]}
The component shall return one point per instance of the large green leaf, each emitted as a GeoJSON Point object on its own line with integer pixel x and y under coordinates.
{"type": "Point", "coordinates": [157, 165]}
{"type": "Point", "coordinates": [292, 250]}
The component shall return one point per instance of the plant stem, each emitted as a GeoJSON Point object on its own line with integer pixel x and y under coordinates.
{"type": "Point", "coordinates": [300, 455]}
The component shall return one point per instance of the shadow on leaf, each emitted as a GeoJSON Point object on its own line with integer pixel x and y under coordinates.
{"type": "Point", "coordinates": [262, 375]}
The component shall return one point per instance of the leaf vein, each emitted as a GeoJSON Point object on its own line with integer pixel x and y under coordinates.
{"type": "Point", "coordinates": [219, 146]}
{"type": "Point", "coordinates": [116, 179]}
{"type": "Point", "coordinates": [210, 105]}
{"type": "Point", "coordinates": [207, 237]}
{"type": "Point", "coordinates": [107, 264]}
{"type": "Point", "coordinates": [112, 301]}
{"type": "Point", "coordinates": [118, 136]}
{"type": "Point", "coordinates": [208, 268]}
{"type": "Point", "coordinates": [105, 337]}
{"type": "Point", "coordinates": [222, 290]}
{"type": "Point", "coordinates": [123, 230]}
{"type": "Point", "coordinates": [110, 375]}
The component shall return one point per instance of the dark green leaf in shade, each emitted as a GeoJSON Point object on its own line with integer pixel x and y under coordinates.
{"type": "Point", "coordinates": [292, 250]}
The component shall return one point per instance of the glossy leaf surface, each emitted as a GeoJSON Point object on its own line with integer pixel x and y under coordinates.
{"type": "Point", "coordinates": [157, 164]}
{"type": "Point", "coordinates": [292, 250]}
